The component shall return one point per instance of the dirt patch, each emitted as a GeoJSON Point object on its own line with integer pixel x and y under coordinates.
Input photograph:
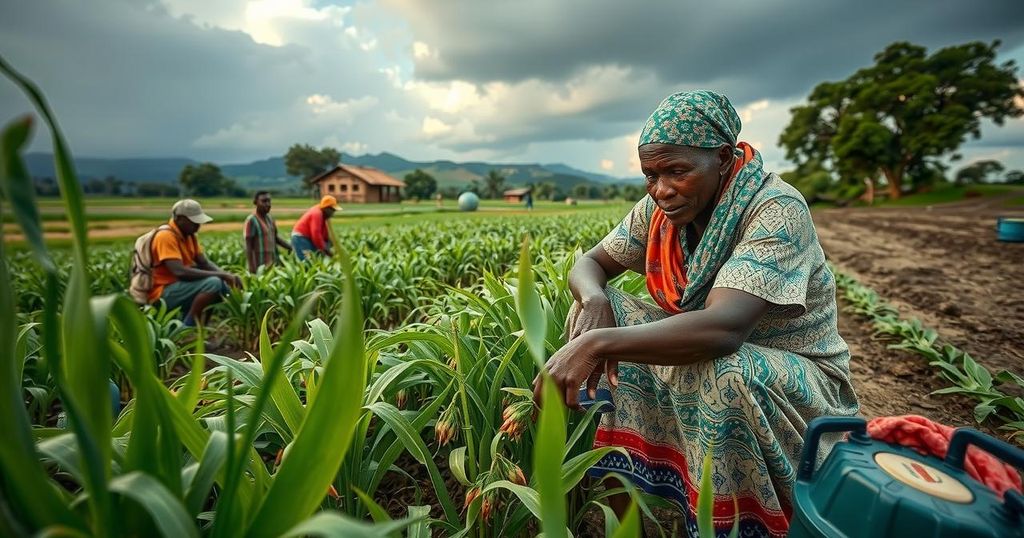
{"type": "Point", "coordinates": [942, 265]}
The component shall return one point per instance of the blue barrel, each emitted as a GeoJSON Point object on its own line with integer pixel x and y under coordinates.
{"type": "Point", "coordinates": [869, 488]}
{"type": "Point", "coordinates": [1010, 229]}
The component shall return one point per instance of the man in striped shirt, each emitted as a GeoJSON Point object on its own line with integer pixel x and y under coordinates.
{"type": "Point", "coordinates": [261, 238]}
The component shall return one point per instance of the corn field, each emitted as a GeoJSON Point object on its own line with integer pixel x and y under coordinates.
{"type": "Point", "coordinates": [384, 392]}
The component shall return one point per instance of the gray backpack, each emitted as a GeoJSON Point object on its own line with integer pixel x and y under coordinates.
{"type": "Point", "coordinates": [141, 272]}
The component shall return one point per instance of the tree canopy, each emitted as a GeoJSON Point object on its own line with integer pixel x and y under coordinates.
{"type": "Point", "coordinates": [419, 184]}
{"type": "Point", "coordinates": [206, 179]}
{"type": "Point", "coordinates": [979, 172]}
{"type": "Point", "coordinates": [308, 162]}
{"type": "Point", "coordinates": [494, 184]}
{"type": "Point", "coordinates": [898, 116]}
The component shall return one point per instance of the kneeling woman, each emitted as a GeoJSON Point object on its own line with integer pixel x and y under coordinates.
{"type": "Point", "coordinates": [742, 349]}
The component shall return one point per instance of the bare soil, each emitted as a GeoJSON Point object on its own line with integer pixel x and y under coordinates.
{"type": "Point", "coordinates": [943, 265]}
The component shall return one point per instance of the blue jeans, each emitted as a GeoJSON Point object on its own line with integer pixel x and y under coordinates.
{"type": "Point", "coordinates": [302, 246]}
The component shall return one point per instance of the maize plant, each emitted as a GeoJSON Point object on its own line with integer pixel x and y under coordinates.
{"type": "Point", "coordinates": [997, 395]}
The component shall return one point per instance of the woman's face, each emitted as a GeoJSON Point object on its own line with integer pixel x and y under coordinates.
{"type": "Point", "coordinates": [683, 180]}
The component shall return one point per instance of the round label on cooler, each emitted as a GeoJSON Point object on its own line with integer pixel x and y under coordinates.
{"type": "Point", "coordinates": [923, 477]}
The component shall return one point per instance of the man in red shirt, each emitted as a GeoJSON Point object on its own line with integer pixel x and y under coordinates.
{"type": "Point", "coordinates": [182, 276]}
{"type": "Point", "coordinates": [310, 233]}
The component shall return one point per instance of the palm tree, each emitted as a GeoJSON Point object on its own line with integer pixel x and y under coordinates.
{"type": "Point", "coordinates": [494, 184]}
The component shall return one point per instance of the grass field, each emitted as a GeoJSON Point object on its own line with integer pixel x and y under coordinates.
{"type": "Point", "coordinates": [953, 193]}
{"type": "Point", "coordinates": [117, 219]}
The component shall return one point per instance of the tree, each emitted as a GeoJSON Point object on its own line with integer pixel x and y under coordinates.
{"type": "Point", "coordinates": [978, 172]}
{"type": "Point", "coordinates": [205, 179]}
{"type": "Point", "coordinates": [308, 162]}
{"type": "Point", "coordinates": [112, 185]}
{"type": "Point", "coordinates": [812, 180]}
{"type": "Point", "coordinates": [155, 189]}
{"type": "Point", "coordinates": [545, 190]}
{"type": "Point", "coordinates": [581, 191]}
{"type": "Point", "coordinates": [904, 111]}
{"type": "Point", "coordinates": [494, 184]}
{"type": "Point", "coordinates": [610, 192]}
{"type": "Point", "coordinates": [419, 184]}
{"type": "Point", "coordinates": [633, 192]}
{"type": "Point", "coordinates": [1015, 177]}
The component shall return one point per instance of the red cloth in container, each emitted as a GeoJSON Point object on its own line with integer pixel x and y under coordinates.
{"type": "Point", "coordinates": [931, 438]}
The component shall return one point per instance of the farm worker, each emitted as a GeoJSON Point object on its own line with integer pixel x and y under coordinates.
{"type": "Point", "coordinates": [742, 349]}
{"type": "Point", "coordinates": [310, 233]}
{"type": "Point", "coordinates": [260, 234]}
{"type": "Point", "coordinates": [182, 275]}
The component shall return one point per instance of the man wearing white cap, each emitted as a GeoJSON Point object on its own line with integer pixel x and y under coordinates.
{"type": "Point", "coordinates": [182, 276]}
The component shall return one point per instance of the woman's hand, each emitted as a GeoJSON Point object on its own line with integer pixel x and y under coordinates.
{"type": "Point", "coordinates": [595, 313]}
{"type": "Point", "coordinates": [569, 367]}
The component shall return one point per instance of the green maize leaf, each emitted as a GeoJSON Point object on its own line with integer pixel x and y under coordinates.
{"type": "Point", "coordinates": [377, 512]}
{"type": "Point", "coordinates": [320, 335]}
{"type": "Point", "coordinates": [422, 419]}
{"type": "Point", "coordinates": [611, 521]}
{"type": "Point", "coordinates": [189, 394]}
{"type": "Point", "coordinates": [154, 448]}
{"type": "Point", "coordinates": [39, 504]}
{"type": "Point", "coordinates": [978, 372]}
{"type": "Point", "coordinates": [531, 312]}
{"type": "Point", "coordinates": [421, 527]}
{"type": "Point", "coordinates": [417, 449]}
{"type": "Point", "coordinates": [248, 373]}
{"type": "Point", "coordinates": [457, 464]}
{"type": "Point", "coordinates": [58, 531]}
{"type": "Point", "coordinates": [407, 337]}
{"type": "Point", "coordinates": [86, 367]}
{"type": "Point", "coordinates": [281, 392]}
{"type": "Point", "coordinates": [630, 526]}
{"type": "Point", "coordinates": [70, 189]}
{"type": "Point", "coordinates": [63, 449]}
{"type": "Point", "coordinates": [393, 375]}
{"type": "Point", "coordinates": [165, 509]}
{"type": "Point", "coordinates": [706, 499]}
{"type": "Point", "coordinates": [1013, 404]}
{"type": "Point", "coordinates": [332, 525]}
{"type": "Point", "coordinates": [499, 376]}
{"type": "Point", "coordinates": [642, 499]}
{"type": "Point", "coordinates": [1005, 376]}
{"type": "Point", "coordinates": [516, 391]}
{"type": "Point", "coordinates": [575, 469]}
{"type": "Point", "coordinates": [213, 460]}
{"type": "Point", "coordinates": [530, 498]}
{"type": "Point", "coordinates": [982, 411]}
{"type": "Point", "coordinates": [19, 190]}
{"type": "Point", "coordinates": [328, 427]}
{"type": "Point", "coordinates": [550, 442]}
{"type": "Point", "coordinates": [581, 428]}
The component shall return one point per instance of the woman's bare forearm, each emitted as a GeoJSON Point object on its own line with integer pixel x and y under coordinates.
{"type": "Point", "coordinates": [591, 274]}
{"type": "Point", "coordinates": [686, 338]}
{"type": "Point", "coordinates": [587, 280]}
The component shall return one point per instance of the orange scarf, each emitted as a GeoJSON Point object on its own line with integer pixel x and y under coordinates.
{"type": "Point", "coordinates": [666, 261]}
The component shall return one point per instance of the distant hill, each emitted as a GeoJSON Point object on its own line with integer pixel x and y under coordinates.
{"type": "Point", "coordinates": [270, 173]}
{"type": "Point", "coordinates": [161, 170]}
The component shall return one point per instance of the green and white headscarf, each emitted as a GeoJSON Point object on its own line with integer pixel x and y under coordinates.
{"type": "Point", "coordinates": [701, 119]}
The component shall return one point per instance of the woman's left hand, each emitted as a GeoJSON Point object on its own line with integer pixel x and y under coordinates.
{"type": "Point", "coordinates": [569, 367]}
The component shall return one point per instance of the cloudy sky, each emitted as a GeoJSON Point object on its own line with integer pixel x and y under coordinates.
{"type": "Point", "coordinates": [545, 81]}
